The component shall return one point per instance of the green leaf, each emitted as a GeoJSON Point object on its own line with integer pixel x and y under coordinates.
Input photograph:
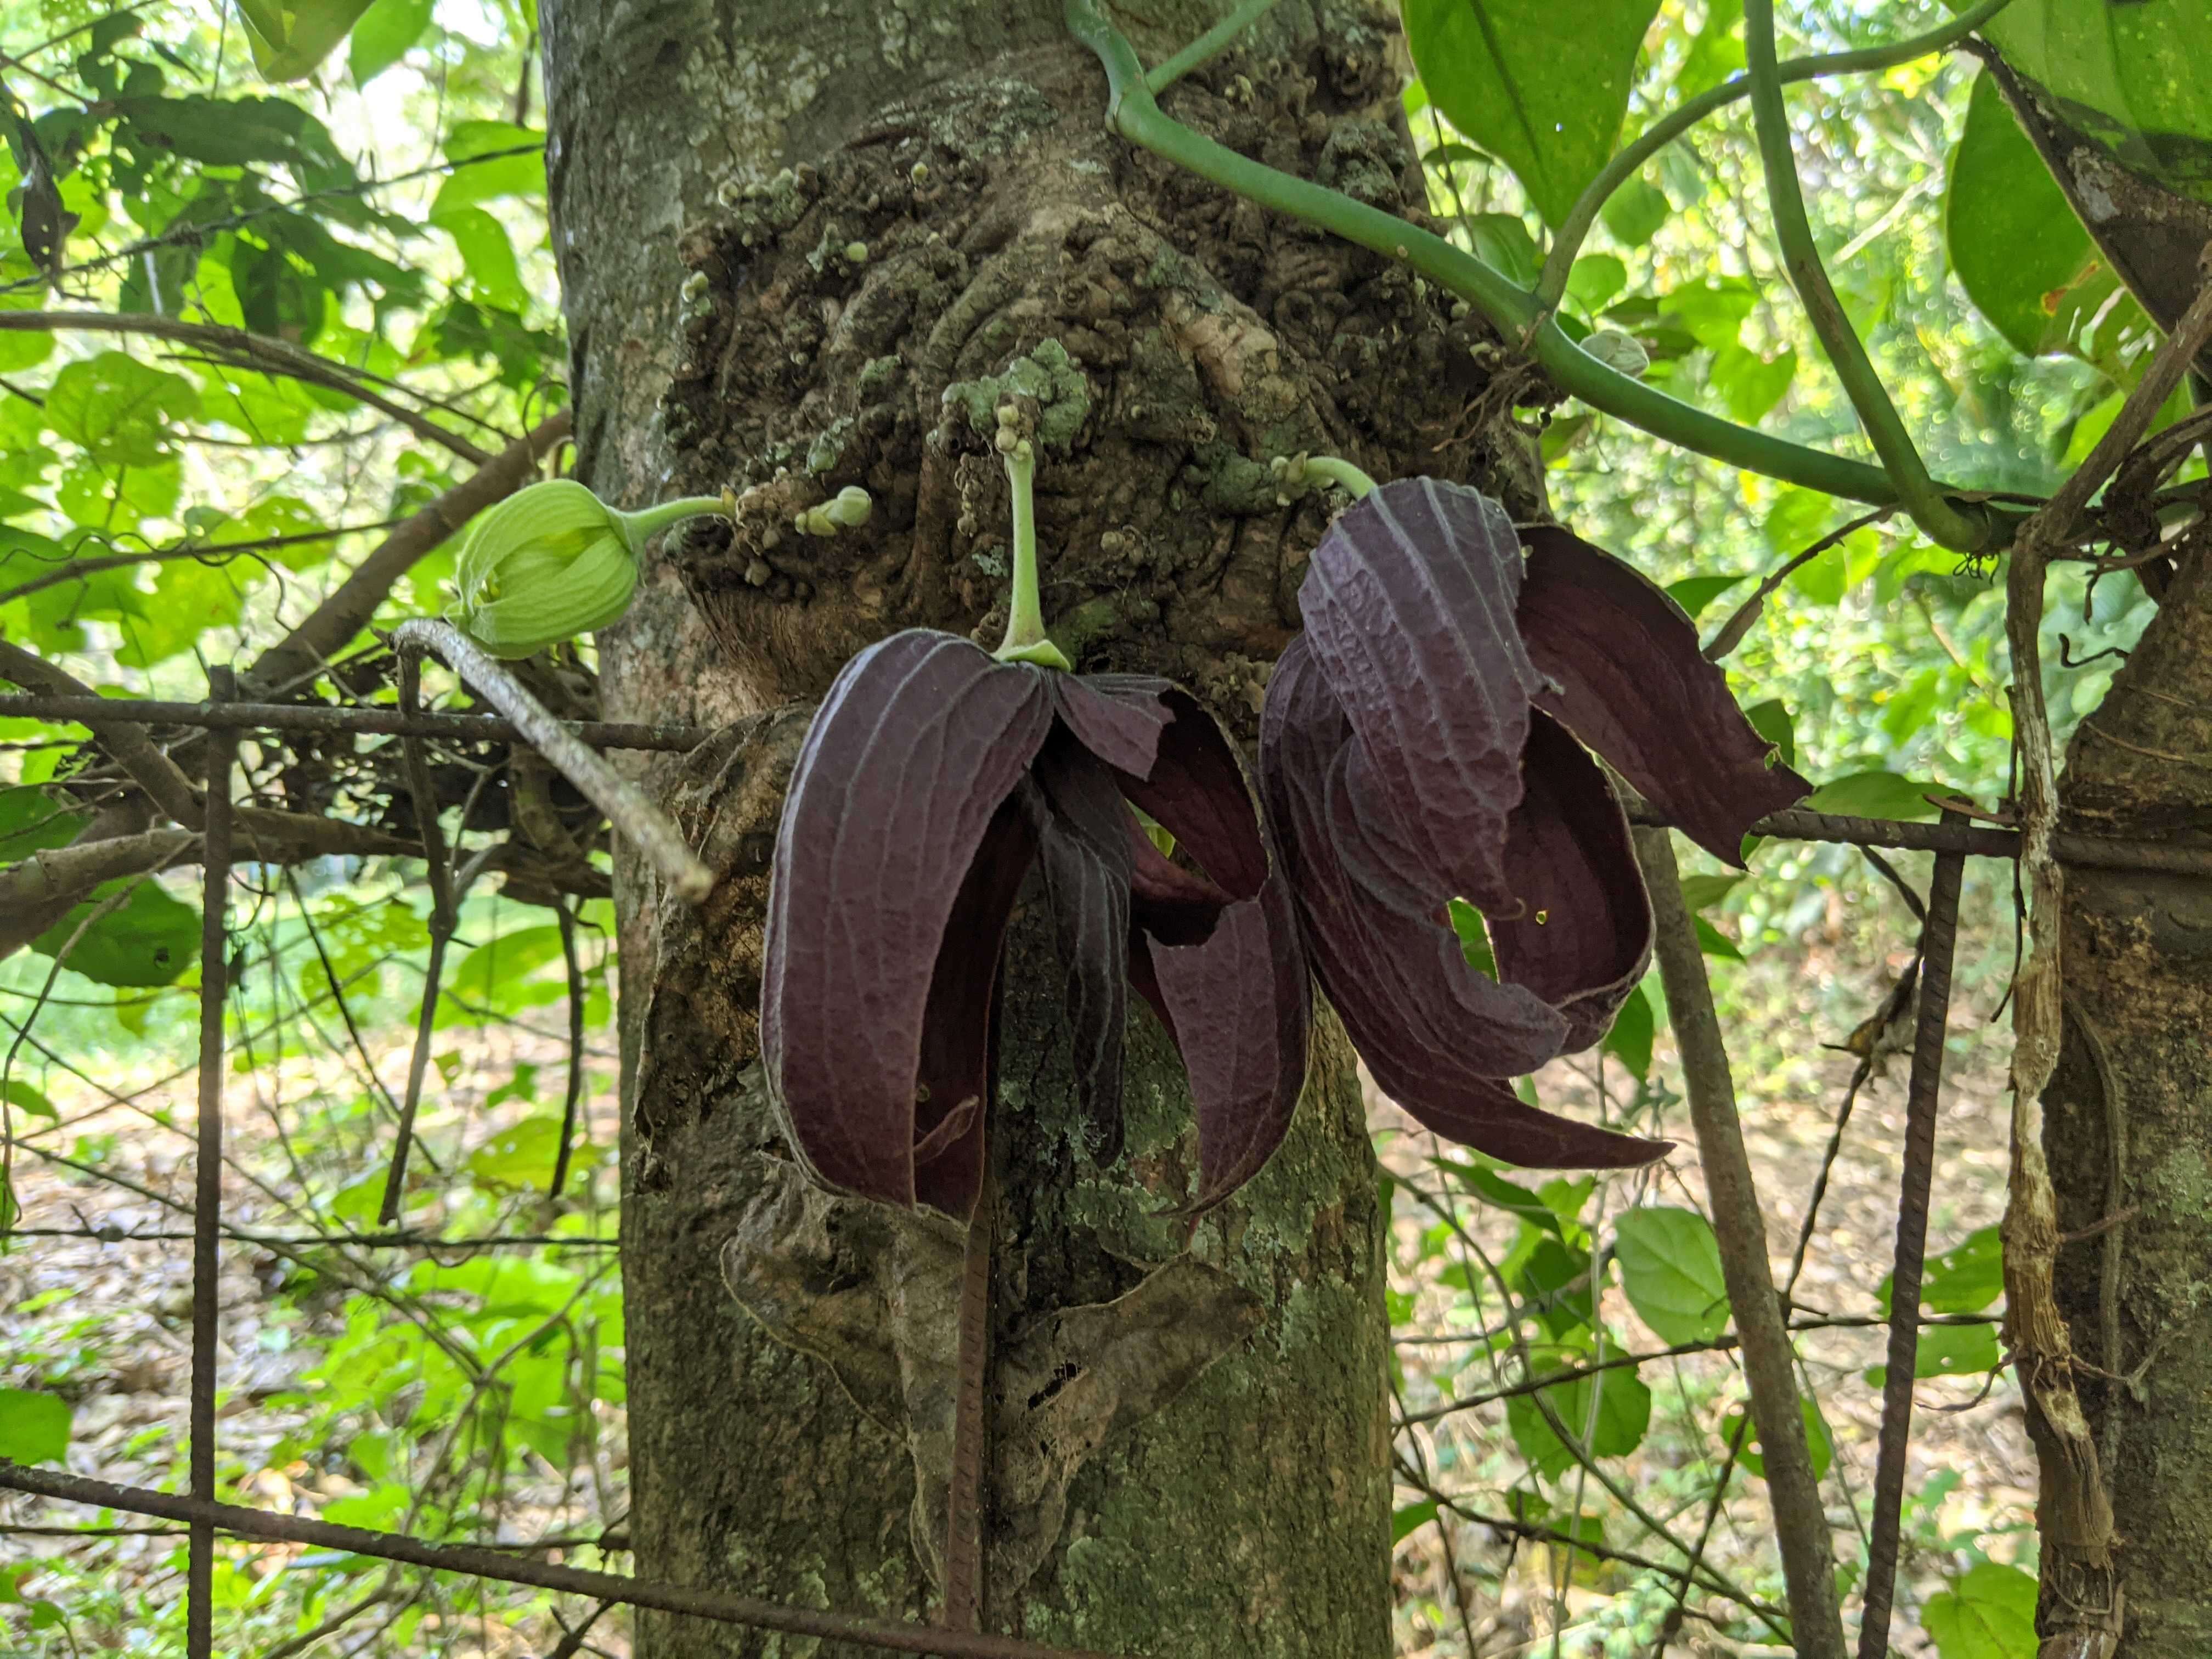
{"type": "Point", "coordinates": [1966, 1278]}
{"type": "Point", "coordinates": [1694, 593]}
{"type": "Point", "coordinates": [1594, 279]}
{"type": "Point", "coordinates": [386, 30]}
{"type": "Point", "coordinates": [1701, 892]}
{"type": "Point", "coordinates": [522, 1157]}
{"type": "Point", "coordinates": [1817, 1441]}
{"type": "Point", "coordinates": [1635, 212]}
{"type": "Point", "coordinates": [32, 820]}
{"type": "Point", "coordinates": [1495, 1190]}
{"type": "Point", "coordinates": [1540, 85]}
{"type": "Point", "coordinates": [1406, 1522]}
{"type": "Point", "coordinates": [1502, 240]}
{"type": "Point", "coordinates": [35, 1428]}
{"type": "Point", "coordinates": [1749, 384]}
{"type": "Point", "coordinates": [1715, 54]}
{"type": "Point", "coordinates": [1670, 1266]}
{"type": "Point", "coordinates": [1623, 1408]}
{"type": "Point", "coordinates": [1714, 943]}
{"type": "Point", "coordinates": [494, 973]}
{"type": "Point", "coordinates": [1948, 1351]}
{"type": "Point", "coordinates": [1474, 937]}
{"type": "Point", "coordinates": [1771, 720]}
{"type": "Point", "coordinates": [1712, 311]}
{"type": "Point", "coordinates": [2129, 75]}
{"type": "Point", "coordinates": [2019, 251]}
{"type": "Point", "coordinates": [148, 940]}
{"type": "Point", "coordinates": [1872, 795]}
{"type": "Point", "coordinates": [276, 297]}
{"type": "Point", "coordinates": [120, 409]}
{"type": "Point", "coordinates": [21, 1096]}
{"type": "Point", "coordinates": [1555, 1281]}
{"type": "Point", "coordinates": [473, 181]}
{"type": "Point", "coordinates": [289, 40]}
{"type": "Point", "coordinates": [1629, 1040]}
{"type": "Point", "coordinates": [488, 256]}
{"type": "Point", "coordinates": [1987, 1614]}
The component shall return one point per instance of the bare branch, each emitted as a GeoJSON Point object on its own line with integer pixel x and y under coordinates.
{"type": "Point", "coordinates": [1801, 1525]}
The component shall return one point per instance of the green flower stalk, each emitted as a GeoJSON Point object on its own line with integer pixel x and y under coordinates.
{"type": "Point", "coordinates": [1025, 640]}
{"type": "Point", "coordinates": [554, 561]}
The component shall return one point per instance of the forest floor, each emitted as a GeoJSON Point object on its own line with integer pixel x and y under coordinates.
{"type": "Point", "coordinates": [95, 1303]}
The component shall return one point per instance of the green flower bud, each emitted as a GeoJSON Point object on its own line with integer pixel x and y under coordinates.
{"type": "Point", "coordinates": [552, 562]}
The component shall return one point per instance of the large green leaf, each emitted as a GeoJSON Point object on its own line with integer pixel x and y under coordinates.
{"type": "Point", "coordinates": [386, 30]}
{"type": "Point", "coordinates": [149, 940]}
{"type": "Point", "coordinates": [1670, 1266]}
{"type": "Point", "coordinates": [490, 159]}
{"type": "Point", "coordinates": [120, 409]}
{"type": "Point", "coordinates": [1988, 1613]}
{"type": "Point", "coordinates": [1623, 1411]}
{"type": "Point", "coordinates": [34, 819]}
{"type": "Point", "coordinates": [35, 1428]}
{"type": "Point", "coordinates": [2129, 73]}
{"type": "Point", "coordinates": [2020, 254]}
{"type": "Point", "coordinates": [1541, 85]}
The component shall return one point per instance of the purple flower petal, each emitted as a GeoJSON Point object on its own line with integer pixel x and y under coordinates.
{"type": "Point", "coordinates": [1633, 684]}
{"type": "Point", "coordinates": [1583, 936]}
{"type": "Point", "coordinates": [906, 768]}
{"type": "Point", "coordinates": [1409, 614]}
{"type": "Point", "coordinates": [1392, 969]}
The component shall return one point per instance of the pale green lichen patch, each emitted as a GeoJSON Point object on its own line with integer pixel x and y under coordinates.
{"type": "Point", "coordinates": [1048, 374]}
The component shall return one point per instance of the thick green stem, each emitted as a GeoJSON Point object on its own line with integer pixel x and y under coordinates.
{"type": "Point", "coordinates": [648, 520]}
{"type": "Point", "coordinates": [1341, 473]}
{"type": "Point", "coordinates": [1025, 640]}
{"type": "Point", "coordinates": [1966, 530]}
{"type": "Point", "coordinates": [1132, 113]}
{"type": "Point", "coordinates": [1552, 282]}
{"type": "Point", "coordinates": [1208, 46]}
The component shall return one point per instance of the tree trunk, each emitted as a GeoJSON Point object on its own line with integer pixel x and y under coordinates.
{"type": "Point", "coordinates": [2128, 1133]}
{"type": "Point", "coordinates": [784, 233]}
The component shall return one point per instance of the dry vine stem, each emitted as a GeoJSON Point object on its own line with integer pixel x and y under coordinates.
{"type": "Point", "coordinates": [2083, 1611]}
{"type": "Point", "coordinates": [479, 1562]}
{"type": "Point", "coordinates": [1769, 1363]}
{"type": "Point", "coordinates": [630, 813]}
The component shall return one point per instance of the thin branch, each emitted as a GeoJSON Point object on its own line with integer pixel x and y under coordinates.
{"type": "Point", "coordinates": [1938, 939]}
{"type": "Point", "coordinates": [645, 825]}
{"type": "Point", "coordinates": [206, 552]}
{"type": "Point", "coordinates": [251, 350]}
{"type": "Point", "coordinates": [1739, 624]}
{"type": "Point", "coordinates": [207, 1197]}
{"type": "Point", "coordinates": [323, 717]}
{"type": "Point", "coordinates": [1801, 1525]}
{"type": "Point", "coordinates": [477, 1562]}
{"type": "Point", "coordinates": [150, 768]}
{"type": "Point", "coordinates": [348, 609]}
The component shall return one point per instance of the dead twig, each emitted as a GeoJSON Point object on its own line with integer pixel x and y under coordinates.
{"type": "Point", "coordinates": [1938, 939]}
{"type": "Point", "coordinates": [1801, 1525]}
{"type": "Point", "coordinates": [645, 825]}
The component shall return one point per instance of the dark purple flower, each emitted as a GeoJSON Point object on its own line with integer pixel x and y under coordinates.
{"type": "Point", "coordinates": [1415, 748]}
{"type": "Point", "coordinates": [931, 781]}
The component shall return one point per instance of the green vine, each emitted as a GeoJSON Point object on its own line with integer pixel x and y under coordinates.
{"type": "Point", "coordinates": [1132, 111]}
{"type": "Point", "coordinates": [1567, 241]}
{"type": "Point", "coordinates": [1964, 527]}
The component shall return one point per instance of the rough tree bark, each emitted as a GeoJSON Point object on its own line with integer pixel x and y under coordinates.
{"type": "Point", "coordinates": [784, 233]}
{"type": "Point", "coordinates": [2128, 1129]}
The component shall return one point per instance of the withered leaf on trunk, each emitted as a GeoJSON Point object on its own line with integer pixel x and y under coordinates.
{"type": "Point", "coordinates": [931, 781]}
{"type": "Point", "coordinates": [1415, 748]}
